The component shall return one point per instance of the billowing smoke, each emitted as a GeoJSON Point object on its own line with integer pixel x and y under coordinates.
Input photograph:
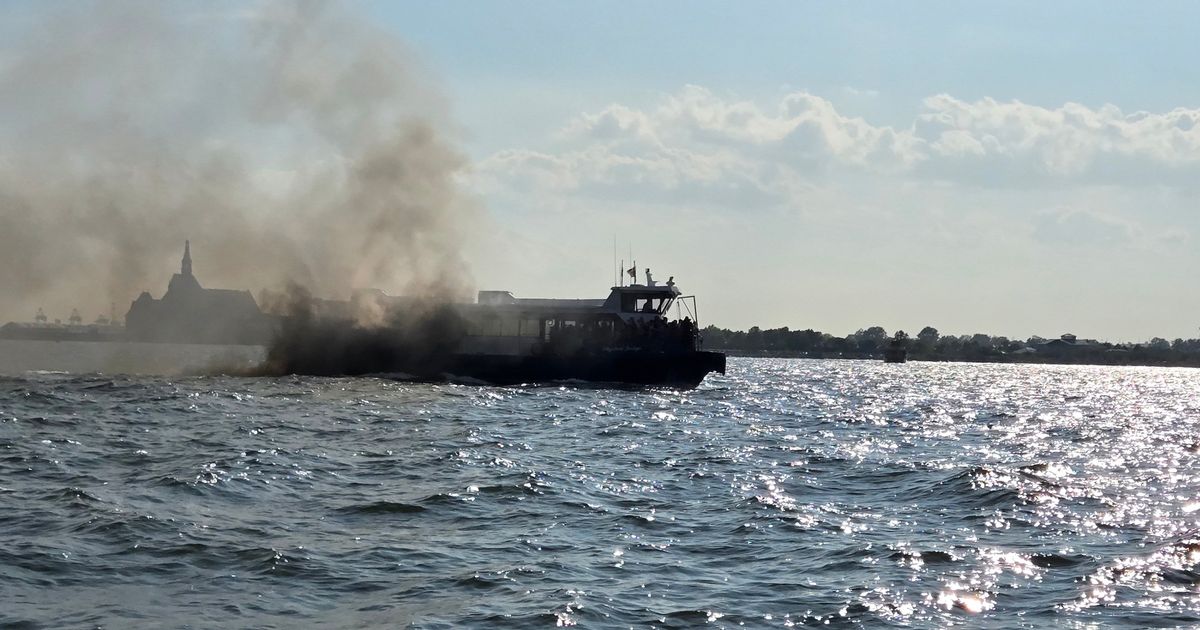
{"type": "Point", "coordinates": [291, 142]}
{"type": "Point", "coordinates": [416, 339]}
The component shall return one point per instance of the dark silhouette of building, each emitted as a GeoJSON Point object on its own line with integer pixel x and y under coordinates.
{"type": "Point", "coordinates": [189, 313]}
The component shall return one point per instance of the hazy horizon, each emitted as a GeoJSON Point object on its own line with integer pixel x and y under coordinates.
{"type": "Point", "coordinates": [1013, 170]}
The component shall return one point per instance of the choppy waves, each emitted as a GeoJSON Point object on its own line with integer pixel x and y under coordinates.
{"type": "Point", "coordinates": [788, 493]}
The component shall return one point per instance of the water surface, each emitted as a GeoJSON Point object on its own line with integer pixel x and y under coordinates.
{"type": "Point", "coordinates": [788, 493]}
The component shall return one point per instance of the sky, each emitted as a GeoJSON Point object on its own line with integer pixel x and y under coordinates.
{"type": "Point", "coordinates": [1017, 168]}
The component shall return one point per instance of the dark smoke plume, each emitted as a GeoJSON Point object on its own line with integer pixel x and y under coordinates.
{"type": "Point", "coordinates": [417, 340]}
{"type": "Point", "coordinates": [289, 141]}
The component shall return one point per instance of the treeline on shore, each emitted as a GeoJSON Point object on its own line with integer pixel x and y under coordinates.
{"type": "Point", "coordinates": [930, 345]}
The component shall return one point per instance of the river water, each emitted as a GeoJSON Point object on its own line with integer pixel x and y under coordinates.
{"type": "Point", "coordinates": [787, 493]}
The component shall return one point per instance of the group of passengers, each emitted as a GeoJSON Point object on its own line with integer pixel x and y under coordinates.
{"type": "Point", "coordinates": [657, 334]}
{"type": "Point", "coordinates": [660, 334]}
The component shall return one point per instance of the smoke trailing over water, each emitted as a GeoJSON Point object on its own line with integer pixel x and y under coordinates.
{"type": "Point", "coordinates": [291, 142]}
{"type": "Point", "coordinates": [418, 339]}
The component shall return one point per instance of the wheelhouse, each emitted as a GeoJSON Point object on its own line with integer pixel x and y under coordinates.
{"type": "Point", "coordinates": [641, 302]}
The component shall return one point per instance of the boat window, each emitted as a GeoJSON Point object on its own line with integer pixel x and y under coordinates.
{"type": "Point", "coordinates": [647, 305]}
{"type": "Point", "coordinates": [531, 328]}
{"type": "Point", "coordinates": [488, 326]}
{"type": "Point", "coordinates": [570, 323]}
{"type": "Point", "coordinates": [635, 304]}
{"type": "Point", "coordinates": [509, 327]}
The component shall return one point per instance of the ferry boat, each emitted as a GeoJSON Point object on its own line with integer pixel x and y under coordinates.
{"type": "Point", "coordinates": [627, 337]}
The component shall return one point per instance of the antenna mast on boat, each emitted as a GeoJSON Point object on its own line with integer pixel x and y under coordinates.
{"type": "Point", "coordinates": [616, 269]}
{"type": "Point", "coordinates": [634, 264]}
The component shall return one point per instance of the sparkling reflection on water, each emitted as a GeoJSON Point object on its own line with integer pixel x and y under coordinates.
{"type": "Point", "coordinates": [788, 493]}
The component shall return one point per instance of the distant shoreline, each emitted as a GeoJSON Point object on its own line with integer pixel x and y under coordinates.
{"type": "Point", "coordinates": [1191, 362]}
{"type": "Point", "coordinates": [18, 356]}
{"type": "Point", "coordinates": [930, 345]}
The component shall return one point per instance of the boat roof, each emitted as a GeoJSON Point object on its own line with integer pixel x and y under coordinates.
{"type": "Point", "coordinates": [558, 303]}
{"type": "Point", "coordinates": [652, 288]}
{"type": "Point", "coordinates": [617, 302]}
{"type": "Point", "coordinates": [503, 300]}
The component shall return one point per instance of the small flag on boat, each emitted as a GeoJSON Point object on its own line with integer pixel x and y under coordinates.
{"type": "Point", "coordinates": [632, 271]}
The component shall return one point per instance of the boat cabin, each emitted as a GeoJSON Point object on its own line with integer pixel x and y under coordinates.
{"type": "Point", "coordinates": [634, 316]}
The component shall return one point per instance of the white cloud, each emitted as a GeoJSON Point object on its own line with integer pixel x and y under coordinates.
{"type": "Point", "coordinates": [1062, 146]}
{"type": "Point", "coordinates": [962, 216]}
{"type": "Point", "coordinates": [1080, 227]}
{"type": "Point", "coordinates": [694, 142]}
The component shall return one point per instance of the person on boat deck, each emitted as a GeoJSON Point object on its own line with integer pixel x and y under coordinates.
{"type": "Point", "coordinates": [689, 330]}
{"type": "Point", "coordinates": [649, 307]}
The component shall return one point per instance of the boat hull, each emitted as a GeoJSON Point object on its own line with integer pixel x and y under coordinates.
{"type": "Point", "coordinates": [633, 367]}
